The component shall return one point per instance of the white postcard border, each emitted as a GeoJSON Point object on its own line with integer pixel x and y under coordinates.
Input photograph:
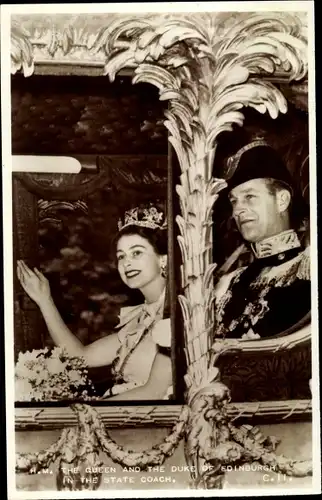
{"type": "Point", "coordinates": [6, 11]}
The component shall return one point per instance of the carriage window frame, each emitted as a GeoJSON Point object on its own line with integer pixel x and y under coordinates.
{"type": "Point", "coordinates": [32, 416]}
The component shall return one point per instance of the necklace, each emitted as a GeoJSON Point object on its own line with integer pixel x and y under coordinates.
{"type": "Point", "coordinates": [145, 323]}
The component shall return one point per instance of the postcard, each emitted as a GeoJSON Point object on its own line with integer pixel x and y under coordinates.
{"type": "Point", "coordinates": [160, 249]}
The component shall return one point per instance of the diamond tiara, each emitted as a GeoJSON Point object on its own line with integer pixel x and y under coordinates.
{"type": "Point", "coordinates": [146, 217]}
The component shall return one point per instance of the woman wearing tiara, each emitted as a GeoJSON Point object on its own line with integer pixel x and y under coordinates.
{"type": "Point", "coordinates": [139, 348]}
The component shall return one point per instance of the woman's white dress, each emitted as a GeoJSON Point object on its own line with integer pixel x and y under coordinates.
{"type": "Point", "coordinates": [141, 332]}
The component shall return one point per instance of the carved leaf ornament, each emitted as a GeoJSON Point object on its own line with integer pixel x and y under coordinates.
{"type": "Point", "coordinates": [208, 66]}
{"type": "Point", "coordinates": [21, 51]}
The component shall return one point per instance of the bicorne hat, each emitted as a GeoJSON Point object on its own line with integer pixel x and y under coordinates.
{"type": "Point", "coordinates": [257, 160]}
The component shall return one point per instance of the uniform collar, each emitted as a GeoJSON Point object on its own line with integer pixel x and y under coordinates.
{"type": "Point", "coordinates": [276, 244]}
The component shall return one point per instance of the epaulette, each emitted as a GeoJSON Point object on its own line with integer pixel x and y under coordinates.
{"type": "Point", "coordinates": [304, 268]}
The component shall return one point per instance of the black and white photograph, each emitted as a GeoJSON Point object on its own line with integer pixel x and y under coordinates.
{"type": "Point", "coordinates": [160, 249]}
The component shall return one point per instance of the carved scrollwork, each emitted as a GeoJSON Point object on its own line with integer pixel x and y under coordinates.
{"type": "Point", "coordinates": [57, 39]}
{"type": "Point", "coordinates": [45, 206]}
{"type": "Point", "coordinates": [86, 39]}
{"type": "Point", "coordinates": [63, 186]}
{"type": "Point", "coordinates": [48, 210]}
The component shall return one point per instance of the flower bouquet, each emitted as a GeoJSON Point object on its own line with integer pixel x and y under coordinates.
{"type": "Point", "coordinates": [51, 375]}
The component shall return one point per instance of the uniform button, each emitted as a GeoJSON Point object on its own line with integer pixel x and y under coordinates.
{"type": "Point", "coordinates": [281, 256]}
{"type": "Point", "coordinates": [246, 324]}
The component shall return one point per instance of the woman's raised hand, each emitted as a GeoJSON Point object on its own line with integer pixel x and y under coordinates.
{"type": "Point", "coordinates": [33, 282]}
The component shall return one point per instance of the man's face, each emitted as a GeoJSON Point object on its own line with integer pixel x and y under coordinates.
{"type": "Point", "coordinates": [255, 210]}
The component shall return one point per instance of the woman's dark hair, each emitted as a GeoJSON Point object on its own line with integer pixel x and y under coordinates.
{"type": "Point", "coordinates": [156, 237]}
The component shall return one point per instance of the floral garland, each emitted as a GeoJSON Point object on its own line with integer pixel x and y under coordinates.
{"type": "Point", "coordinates": [155, 456]}
{"type": "Point", "coordinates": [81, 446]}
{"type": "Point", "coordinates": [257, 447]}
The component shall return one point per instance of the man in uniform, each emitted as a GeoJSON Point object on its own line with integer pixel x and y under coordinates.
{"type": "Point", "coordinates": [272, 295]}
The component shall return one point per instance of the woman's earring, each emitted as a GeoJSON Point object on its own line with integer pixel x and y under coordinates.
{"type": "Point", "coordinates": [164, 271]}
